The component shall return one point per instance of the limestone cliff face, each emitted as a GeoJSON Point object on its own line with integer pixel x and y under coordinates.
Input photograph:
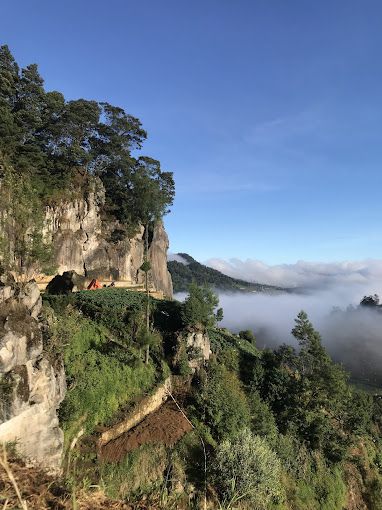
{"type": "Point", "coordinates": [161, 277]}
{"type": "Point", "coordinates": [193, 348]}
{"type": "Point", "coordinates": [198, 349]}
{"type": "Point", "coordinates": [82, 243]}
{"type": "Point", "coordinates": [31, 388]}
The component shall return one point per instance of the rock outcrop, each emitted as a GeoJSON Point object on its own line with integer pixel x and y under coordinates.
{"type": "Point", "coordinates": [86, 243]}
{"type": "Point", "coordinates": [31, 388]}
{"type": "Point", "coordinates": [161, 277]}
{"type": "Point", "coordinates": [198, 349]}
{"type": "Point", "coordinates": [66, 283]}
{"type": "Point", "coordinates": [193, 350]}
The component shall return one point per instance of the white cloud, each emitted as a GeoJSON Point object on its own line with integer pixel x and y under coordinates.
{"type": "Point", "coordinates": [282, 130]}
{"type": "Point", "coordinates": [354, 338]}
{"type": "Point", "coordinates": [313, 275]}
{"type": "Point", "coordinates": [177, 258]}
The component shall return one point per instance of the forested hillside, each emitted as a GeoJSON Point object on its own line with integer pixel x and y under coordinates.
{"type": "Point", "coordinates": [184, 273]}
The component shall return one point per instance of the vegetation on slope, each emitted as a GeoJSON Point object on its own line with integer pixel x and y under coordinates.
{"type": "Point", "coordinates": [283, 429]}
{"type": "Point", "coordinates": [193, 272]}
{"type": "Point", "coordinates": [101, 376]}
{"type": "Point", "coordinates": [273, 429]}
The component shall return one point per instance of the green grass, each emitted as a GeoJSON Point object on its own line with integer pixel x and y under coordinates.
{"type": "Point", "coordinates": [111, 307]}
{"type": "Point", "coordinates": [140, 472]}
{"type": "Point", "coordinates": [119, 309]}
{"type": "Point", "coordinates": [222, 339]}
{"type": "Point", "coordinates": [101, 376]}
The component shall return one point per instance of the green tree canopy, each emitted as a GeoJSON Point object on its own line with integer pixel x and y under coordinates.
{"type": "Point", "coordinates": [199, 307]}
{"type": "Point", "coordinates": [51, 140]}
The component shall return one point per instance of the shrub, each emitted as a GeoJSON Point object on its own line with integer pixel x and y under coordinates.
{"type": "Point", "coordinates": [248, 335]}
{"type": "Point", "coordinates": [198, 308]}
{"type": "Point", "coordinates": [374, 493]}
{"type": "Point", "coordinates": [245, 468]}
{"type": "Point", "coordinates": [263, 422]}
{"type": "Point", "coordinates": [322, 489]}
{"type": "Point", "coordinates": [182, 361]}
{"type": "Point", "coordinates": [229, 357]}
{"type": "Point", "coordinates": [222, 402]}
{"type": "Point", "coordinates": [222, 339]}
{"type": "Point", "coordinates": [313, 484]}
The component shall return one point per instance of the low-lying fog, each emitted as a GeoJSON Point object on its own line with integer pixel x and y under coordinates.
{"type": "Point", "coordinates": [353, 336]}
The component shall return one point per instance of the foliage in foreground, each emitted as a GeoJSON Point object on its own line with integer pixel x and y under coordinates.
{"type": "Point", "coordinates": [292, 412]}
{"type": "Point", "coordinates": [247, 469]}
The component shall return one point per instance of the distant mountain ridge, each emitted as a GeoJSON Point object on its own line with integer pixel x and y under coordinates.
{"type": "Point", "coordinates": [183, 274]}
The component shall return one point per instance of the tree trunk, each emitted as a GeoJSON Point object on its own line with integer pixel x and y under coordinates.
{"type": "Point", "coordinates": [147, 289]}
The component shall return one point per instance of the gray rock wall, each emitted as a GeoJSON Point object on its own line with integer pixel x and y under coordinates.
{"type": "Point", "coordinates": [193, 349]}
{"type": "Point", "coordinates": [81, 243]}
{"type": "Point", "coordinates": [198, 349]}
{"type": "Point", "coordinates": [31, 389]}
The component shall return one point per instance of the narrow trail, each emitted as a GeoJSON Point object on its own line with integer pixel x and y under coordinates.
{"type": "Point", "coordinates": [165, 426]}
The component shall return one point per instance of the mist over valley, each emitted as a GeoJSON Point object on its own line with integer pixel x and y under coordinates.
{"type": "Point", "coordinates": [330, 293]}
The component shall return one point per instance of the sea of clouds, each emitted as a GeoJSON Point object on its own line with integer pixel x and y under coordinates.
{"type": "Point", "coordinates": [353, 337]}
{"type": "Point", "coordinates": [313, 275]}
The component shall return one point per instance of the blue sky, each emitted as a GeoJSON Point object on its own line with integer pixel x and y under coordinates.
{"type": "Point", "coordinates": [268, 112]}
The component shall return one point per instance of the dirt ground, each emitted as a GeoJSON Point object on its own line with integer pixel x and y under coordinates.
{"type": "Point", "coordinates": [165, 426]}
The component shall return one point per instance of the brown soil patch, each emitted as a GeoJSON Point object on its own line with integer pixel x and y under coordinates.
{"type": "Point", "coordinates": [165, 426]}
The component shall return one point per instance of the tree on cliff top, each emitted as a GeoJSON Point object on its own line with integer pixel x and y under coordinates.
{"type": "Point", "coordinates": [152, 191]}
{"type": "Point", "coordinates": [49, 139]}
{"type": "Point", "coordinates": [152, 194]}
